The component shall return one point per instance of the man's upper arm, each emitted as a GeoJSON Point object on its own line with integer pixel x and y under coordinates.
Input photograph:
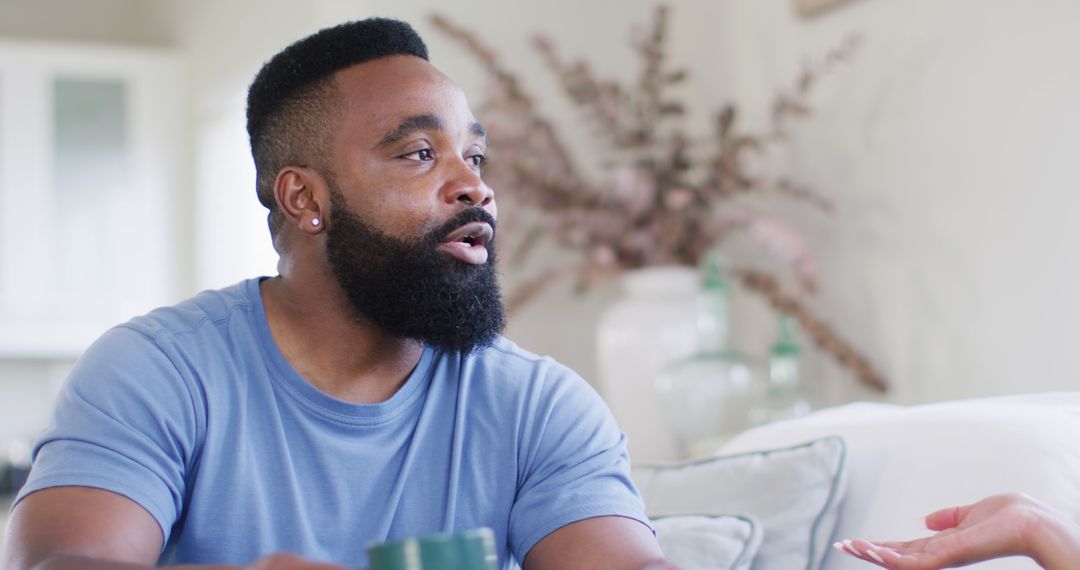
{"type": "Point", "coordinates": [125, 422]}
{"type": "Point", "coordinates": [601, 542]}
{"type": "Point", "coordinates": [573, 471]}
{"type": "Point", "coordinates": [81, 521]}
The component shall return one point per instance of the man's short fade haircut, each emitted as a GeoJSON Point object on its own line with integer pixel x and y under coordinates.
{"type": "Point", "coordinates": [292, 104]}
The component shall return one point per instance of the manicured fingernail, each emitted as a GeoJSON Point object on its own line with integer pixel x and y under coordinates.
{"type": "Point", "coordinates": [875, 556]}
{"type": "Point", "coordinates": [840, 546]}
{"type": "Point", "coordinates": [851, 548]}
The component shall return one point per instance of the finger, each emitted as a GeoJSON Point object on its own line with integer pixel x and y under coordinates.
{"type": "Point", "coordinates": [905, 546]}
{"type": "Point", "coordinates": [947, 518]}
{"type": "Point", "coordinates": [848, 547]}
{"type": "Point", "coordinates": [874, 552]}
{"type": "Point", "coordinates": [845, 547]}
{"type": "Point", "coordinates": [895, 560]}
{"type": "Point", "coordinates": [869, 552]}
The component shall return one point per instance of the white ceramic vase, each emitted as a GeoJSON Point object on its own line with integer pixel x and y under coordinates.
{"type": "Point", "coordinates": [649, 326]}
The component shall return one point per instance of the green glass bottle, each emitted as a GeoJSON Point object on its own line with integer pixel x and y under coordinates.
{"type": "Point", "coordinates": [706, 397]}
{"type": "Point", "coordinates": [783, 396]}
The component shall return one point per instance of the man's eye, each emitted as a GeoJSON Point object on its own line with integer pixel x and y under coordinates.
{"type": "Point", "coordinates": [477, 160]}
{"type": "Point", "coordinates": [423, 154]}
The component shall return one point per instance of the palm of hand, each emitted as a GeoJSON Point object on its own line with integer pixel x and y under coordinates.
{"type": "Point", "coordinates": [994, 527]}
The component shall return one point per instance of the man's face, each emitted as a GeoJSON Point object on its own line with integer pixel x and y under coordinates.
{"type": "Point", "coordinates": [407, 152]}
{"type": "Point", "coordinates": [410, 235]}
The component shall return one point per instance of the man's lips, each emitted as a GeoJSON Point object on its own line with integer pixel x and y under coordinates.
{"type": "Point", "coordinates": [469, 242]}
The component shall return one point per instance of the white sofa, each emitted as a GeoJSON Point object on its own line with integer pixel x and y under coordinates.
{"type": "Point", "coordinates": [900, 462]}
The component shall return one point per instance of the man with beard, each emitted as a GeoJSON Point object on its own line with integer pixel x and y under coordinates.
{"type": "Point", "coordinates": [363, 394]}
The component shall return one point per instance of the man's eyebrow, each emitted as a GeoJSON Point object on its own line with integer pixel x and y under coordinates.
{"type": "Point", "coordinates": [479, 130]}
{"type": "Point", "coordinates": [410, 126]}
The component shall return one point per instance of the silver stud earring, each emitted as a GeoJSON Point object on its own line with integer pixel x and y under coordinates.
{"type": "Point", "coordinates": [315, 222]}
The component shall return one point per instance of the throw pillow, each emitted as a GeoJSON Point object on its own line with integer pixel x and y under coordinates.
{"type": "Point", "coordinates": [793, 492]}
{"type": "Point", "coordinates": [702, 542]}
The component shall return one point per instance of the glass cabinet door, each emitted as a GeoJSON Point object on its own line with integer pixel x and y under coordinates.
{"type": "Point", "coordinates": [93, 245]}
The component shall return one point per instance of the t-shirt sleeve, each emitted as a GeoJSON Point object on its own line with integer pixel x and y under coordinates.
{"type": "Point", "coordinates": [125, 422]}
{"type": "Point", "coordinates": [575, 464]}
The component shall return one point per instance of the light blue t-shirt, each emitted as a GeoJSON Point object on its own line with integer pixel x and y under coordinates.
{"type": "Point", "coordinates": [193, 412]}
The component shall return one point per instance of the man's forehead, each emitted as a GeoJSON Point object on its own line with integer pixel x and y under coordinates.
{"type": "Point", "coordinates": [404, 93]}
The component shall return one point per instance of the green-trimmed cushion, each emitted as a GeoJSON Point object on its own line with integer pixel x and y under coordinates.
{"type": "Point", "coordinates": [793, 492]}
{"type": "Point", "coordinates": [725, 542]}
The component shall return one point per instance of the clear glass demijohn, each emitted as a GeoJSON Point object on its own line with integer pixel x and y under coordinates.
{"type": "Point", "coordinates": [707, 397]}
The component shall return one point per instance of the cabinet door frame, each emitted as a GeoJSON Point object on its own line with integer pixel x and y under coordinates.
{"type": "Point", "coordinates": [34, 322]}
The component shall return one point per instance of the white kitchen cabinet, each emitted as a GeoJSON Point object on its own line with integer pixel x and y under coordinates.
{"type": "Point", "coordinates": [89, 177]}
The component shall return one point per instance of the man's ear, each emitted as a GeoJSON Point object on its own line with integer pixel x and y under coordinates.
{"type": "Point", "coordinates": [304, 198]}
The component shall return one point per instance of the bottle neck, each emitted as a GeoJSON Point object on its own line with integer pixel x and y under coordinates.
{"type": "Point", "coordinates": [784, 357]}
{"type": "Point", "coordinates": [712, 321]}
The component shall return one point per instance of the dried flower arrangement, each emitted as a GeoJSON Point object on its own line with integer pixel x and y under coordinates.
{"type": "Point", "coordinates": [660, 204]}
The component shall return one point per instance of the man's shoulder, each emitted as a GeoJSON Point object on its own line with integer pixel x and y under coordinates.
{"type": "Point", "coordinates": [190, 341]}
{"type": "Point", "coordinates": [207, 308]}
{"type": "Point", "coordinates": [503, 348]}
{"type": "Point", "coordinates": [201, 329]}
{"type": "Point", "coordinates": [506, 367]}
{"type": "Point", "coordinates": [504, 354]}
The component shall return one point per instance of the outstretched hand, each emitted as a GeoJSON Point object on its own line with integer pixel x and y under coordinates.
{"type": "Point", "coordinates": [995, 527]}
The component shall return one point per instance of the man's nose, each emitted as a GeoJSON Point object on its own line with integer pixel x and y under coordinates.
{"type": "Point", "coordinates": [467, 187]}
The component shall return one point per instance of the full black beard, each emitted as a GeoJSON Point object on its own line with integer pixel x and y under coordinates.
{"type": "Point", "coordinates": [410, 288]}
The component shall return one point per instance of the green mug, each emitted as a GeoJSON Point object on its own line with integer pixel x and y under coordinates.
{"type": "Point", "coordinates": [467, 550]}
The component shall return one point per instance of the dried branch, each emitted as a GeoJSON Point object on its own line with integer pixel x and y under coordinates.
{"type": "Point", "coordinates": [820, 332]}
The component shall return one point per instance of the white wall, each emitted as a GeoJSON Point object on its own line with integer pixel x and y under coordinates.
{"type": "Point", "coordinates": [950, 147]}
{"type": "Point", "coordinates": [104, 21]}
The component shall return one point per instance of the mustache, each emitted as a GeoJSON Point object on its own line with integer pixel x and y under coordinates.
{"type": "Point", "coordinates": [473, 214]}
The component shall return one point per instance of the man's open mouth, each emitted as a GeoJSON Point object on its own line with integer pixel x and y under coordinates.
{"type": "Point", "coordinates": [469, 242]}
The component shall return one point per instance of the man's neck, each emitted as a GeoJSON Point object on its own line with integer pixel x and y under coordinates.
{"type": "Point", "coordinates": [349, 359]}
